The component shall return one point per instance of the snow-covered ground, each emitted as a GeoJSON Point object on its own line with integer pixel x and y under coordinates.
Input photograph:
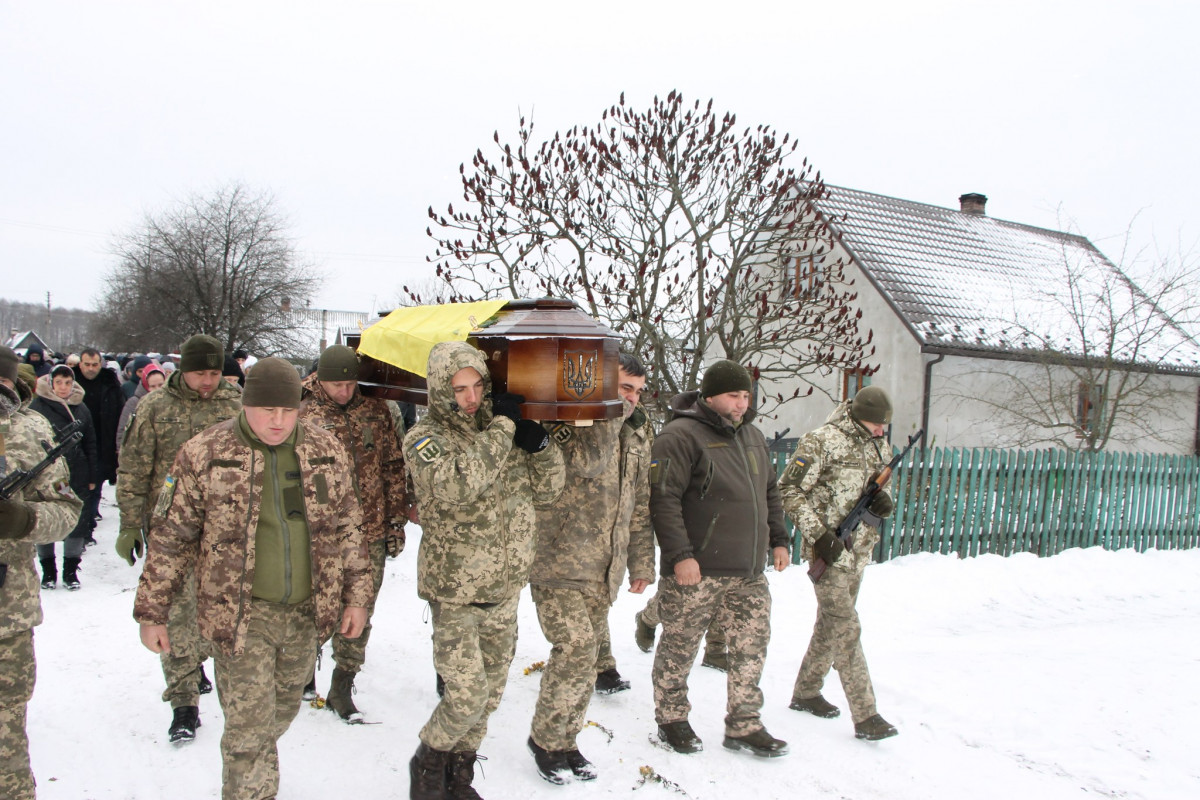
{"type": "Point", "coordinates": [1074, 676]}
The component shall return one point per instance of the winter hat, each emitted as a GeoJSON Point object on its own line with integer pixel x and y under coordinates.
{"type": "Point", "coordinates": [871, 404]}
{"type": "Point", "coordinates": [232, 369]}
{"type": "Point", "coordinates": [28, 375]}
{"type": "Point", "coordinates": [148, 372]}
{"type": "Point", "coordinates": [725, 376]}
{"type": "Point", "coordinates": [8, 363]}
{"type": "Point", "coordinates": [140, 362]}
{"type": "Point", "coordinates": [201, 352]}
{"type": "Point", "coordinates": [338, 363]}
{"type": "Point", "coordinates": [273, 383]}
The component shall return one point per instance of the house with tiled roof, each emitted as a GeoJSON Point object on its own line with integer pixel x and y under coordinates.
{"type": "Point", "coordinates": [991, 333]}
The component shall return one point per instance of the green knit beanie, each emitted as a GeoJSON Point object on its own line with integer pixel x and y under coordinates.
{"type": "Point", "coordinates": [201, 352]}
{"type": "Point", "coordinates": [8, 363]}
{"type": "Point", "coordinates": [272, 383]}
{"type": "Point", "coordinates": [338, 363]}
{"type": "Point", "coordinates": [725, 376]}
{"type": "Point", "coordinates": [871, 404]}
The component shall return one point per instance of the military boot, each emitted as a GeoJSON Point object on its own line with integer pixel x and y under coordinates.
{"type": "Point", "coordinates": [610, 682]}
{"type": "Point", "coordinates": [874, 728]}
{"type": "Point", "coordinates": [184, 724]}
{"type": "Point", "coordinates": [817, 705]}
{"type": "Point", "coordinates": [204, 685]}
{"type": "Point", "coordinates": [49, 573]}
{"type": "Point", "coordinates": [309, 693]}
{"type": "Point", "coordinates": [339, 699]}
{"type": "Point", "coordinates": [427, 773]}
{"type": "Point", "coordinates": [460, 771]}
{"type": "Point", "coordinates": [758, 742]}
{"type": "Point", "coordinates": [680, 737]}
{"type": "Point", "coordinates": [551, 764]}
{"type": "Point", "coordinates": [70, 573]}
{"type": "Point", "coordinates": [644, 635]}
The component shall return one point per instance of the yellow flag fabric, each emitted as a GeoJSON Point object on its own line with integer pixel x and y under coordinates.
{"type": "Point", "coordinates": [404, 337]}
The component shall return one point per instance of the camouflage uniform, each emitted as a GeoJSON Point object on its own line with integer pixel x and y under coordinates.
{"type": "Point", "coordinates": [827, 472]}
{"type": "Point", "coordinates": [713, 497]}
{"type": "Point", "coordinates": [56, 508]}
{"type": "Point", "coordinates": [164, 420]}
{"type": "Point", "coordinates": [365, 427]}
{"type": "Point", "coordinates": [476, 493]}
{"type": "Point", "coordinates": [264, 649]}
{"type": "Point", "coordinates": [584, 541]}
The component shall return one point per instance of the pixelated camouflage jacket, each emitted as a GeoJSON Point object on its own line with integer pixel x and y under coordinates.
{"type": "Point", "coordinates": [713, 492]}
{"type": "Point", "coordinates": [365, 428]}
{"type": "Point", "coordinates": [206, 517]}
{"type": "Point", "coordinates": [55, 507]}
{"type": "Point", "coordinates": [164, 420]}
{"type": "Point", "coordinates": [825, 476]}
{"type": "Point", "coordinates": [475, 491]}
{"type": "Point", "coordinates": [601, 523]}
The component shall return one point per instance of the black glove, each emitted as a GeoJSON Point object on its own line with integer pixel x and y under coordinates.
{"type": "Point", "coordinates": [881, 505]}
{"type": "Point", "coordinates": [530, 436]}
{"type": "Point", "coordinates": [828, 548]}
{"type": "Point", "coordinates": [507, 405]}
{"type": "Point", "coordinates": [16, 519]}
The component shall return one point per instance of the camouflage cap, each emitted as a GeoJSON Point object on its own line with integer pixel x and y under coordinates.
{"type": "Point", "coordinates": [871, 404]}
{"type": "Point", "coordinates": [338, 363]}
{"type": "Point", "coordinates": [8, 363]}
{"type": "Point", "coordinates": [272, 383]}
{"type": "Point", "coordinates": [201, 352]}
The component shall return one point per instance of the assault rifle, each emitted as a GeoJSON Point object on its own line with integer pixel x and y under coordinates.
{"type": "Point", "coordinates": [18, 479]}
{"type": "Point", "coordinates": [862, 508]}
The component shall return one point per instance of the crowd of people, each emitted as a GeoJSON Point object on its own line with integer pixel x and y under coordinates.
{"type": "Point", "coordinates": [264, 507]}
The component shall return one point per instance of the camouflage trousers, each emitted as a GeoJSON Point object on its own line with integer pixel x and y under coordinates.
{"type": "Point", "coordinates": [836, 642]}
{"type": "Point", "coordinates": [17, 673]}
{"type": "Point", "coordinates": [714, 638]}
{"type": "Point", "coordinates": [473, 647]}
{"type": "Point", "coordinates": [181, 666]}
{"type": "Point", "coordinates": [350, 654]}
{"type": "Point", "coordinates": [573, 622]}
{"type": "Point", "coordinates": [741, 607]}
{"type": "Point", "coordinates": [260, 693]}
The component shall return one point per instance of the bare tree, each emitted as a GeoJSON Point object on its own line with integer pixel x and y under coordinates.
{"type": "Point", "coordinates": [1099, 353]}
{"type": "Point", "coordinates": [221, 264]}
{"type": "Point", "coordinates": [677, 229]}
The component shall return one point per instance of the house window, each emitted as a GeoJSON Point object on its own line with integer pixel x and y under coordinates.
{"type": "Point", "coordinates": [1089, 410]}
{"type": "Point", "coordinates": [853, 380]}
{"type": "Point", "coordinates": [804, 274]}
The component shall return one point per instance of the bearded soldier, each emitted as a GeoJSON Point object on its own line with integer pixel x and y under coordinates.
{"type": "Point", "coordinates": [825, 477]}
{"type": "Point", "coordinates": [45, 511]}
{"type": "Point", "coordinates": [714, 502]}
{"type": "Point", "coordinates": [193, 398]}
{"type": "Point", "coordinates": [364, 427]}
{"type": "Point", "coordinates": [261, 510]}
{"type": "Point", "coordinates": [584, 541]}
{"type": "Point", "coordinates": [477, 469]}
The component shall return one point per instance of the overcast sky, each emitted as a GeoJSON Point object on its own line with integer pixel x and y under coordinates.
{"type": "Point", "coordinates": [356, 115]}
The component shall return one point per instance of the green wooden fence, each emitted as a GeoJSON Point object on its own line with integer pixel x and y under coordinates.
{"type": "Point", "coordinates": [1043, 501]}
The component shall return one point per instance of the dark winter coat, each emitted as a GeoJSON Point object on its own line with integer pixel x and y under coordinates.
{"type": "Point", "coordinates": [104, 400]}
{"type": "Point", "coordinates": [713, 492]}
{"type": "Point", "coordinates": [82, 460]}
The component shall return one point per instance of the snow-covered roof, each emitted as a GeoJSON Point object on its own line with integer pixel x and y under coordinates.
{"type": "Point", "coordinates": [967, 281]}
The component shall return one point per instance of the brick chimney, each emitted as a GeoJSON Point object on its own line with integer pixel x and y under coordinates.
{"type": "Point", "coordinates": [973, 204]}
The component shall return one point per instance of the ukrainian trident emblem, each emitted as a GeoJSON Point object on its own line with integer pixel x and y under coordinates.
{"type": "Point", "coordinates": [579, 372]}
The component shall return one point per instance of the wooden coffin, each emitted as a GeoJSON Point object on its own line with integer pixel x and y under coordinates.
{"type": "Point", "coordinates": [562, 361]}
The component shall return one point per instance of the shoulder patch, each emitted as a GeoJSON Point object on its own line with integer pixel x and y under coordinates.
{"type": "Point", "coordinates": [165, 496]}
{"type": "Point", "coordinates": [427, 449]}
{"type": "Point", "coordinates": [561, 432]}
{"type": "Point", "coordinates": [797, 468]}
{"type": "Point", "coordinates": [658, 470]}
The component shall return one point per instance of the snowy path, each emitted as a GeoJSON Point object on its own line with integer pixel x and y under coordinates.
{"type": "Point", "coordinates": [1071, 677]}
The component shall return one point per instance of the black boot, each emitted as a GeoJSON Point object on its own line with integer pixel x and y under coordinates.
{"type": "Point", "coordinates": [610, 682]}
{"type": "Point", "coordinates": [427, 774]}
{"type": "Point", "coordinates": [460, 771]}
{"type": "Point", "coordinates": [204, 686]}
{"type": "Point", "coordinates": [339, 699]}
{"type": "Point", "coordinates": [49, 573]}
{"type": "Point", "coordinates": [70, 573]}
{"type": "Point", "coordinates": [183, 726]}
{"type": "Point", "coordinates": [551, 764]}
